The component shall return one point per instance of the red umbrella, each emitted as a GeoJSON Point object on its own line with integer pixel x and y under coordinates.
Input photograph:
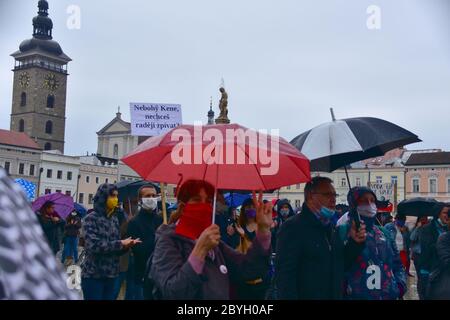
{"type": "Point", "coordinates": [231, 163]}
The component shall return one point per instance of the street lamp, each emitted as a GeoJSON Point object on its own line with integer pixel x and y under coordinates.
{"type": "Point", "coordinates": [78, 183]}
{"type": "Point", "coordinates": [39, 182]}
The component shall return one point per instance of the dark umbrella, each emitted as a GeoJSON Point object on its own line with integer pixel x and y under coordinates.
{"type": "Point", "coordinates": [336, 144]}
{"type": "Point", "coordinates": [417, 207]}
{"type": "Point", "coordinates": [128, 189]}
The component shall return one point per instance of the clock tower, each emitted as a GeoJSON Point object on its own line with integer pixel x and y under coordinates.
{"type": "Point", "coordinates": [39, 87]}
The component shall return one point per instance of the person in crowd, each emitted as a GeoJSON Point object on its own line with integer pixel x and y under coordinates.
{"type": "Point", "coordinates": [247, 225]}
{"type": "Point", "coordinates": [229, 234]}
{"type": "Point", "coordinates": [416, 251]}
{"type": "Point", "coordinates": [103, 246]}
{"type": "Point", "coordinates": [428, 237]}
{"type": "Point", "coordinates": [377, 273]}
{"type": "Point", "coordinates": [26, 272]}
{"type": "Point", "coordinates": [284, 212]}
{"type": "Point", "coordinates": [400, 232]}
{"type": "Point", "coordinates": [71, 234]}
{"type": "Point", "coordinates": [310, 256]}
{"type": "Point", "coordinates": [439, 281]}
{"type": "Point", "coordinates": [191, 262]}
{"type": "Point", "coordinates": [143, 226]}
{"type": "Point", "coordinates": [50, 223]}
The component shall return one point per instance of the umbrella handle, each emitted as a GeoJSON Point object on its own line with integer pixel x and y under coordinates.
{"type": "Point", "coordinates": [214, 207]}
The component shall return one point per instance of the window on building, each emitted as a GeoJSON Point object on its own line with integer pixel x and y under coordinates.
{"type": "Point", "coordinates": [59, 174]}
{"type": "Point", "coordinates": [68, 193]}
{"type": "Point", "coordinates": [343, 182]}
{"type": "Point", "coordinates": [288, 187]}
{"type": "Point", "coordinates": [21, 125]}
{"type": "Point", "coordinates": [96, 180]}
{"type": "Point", "coordinates": [106, 180]}
{"type": "Point", "coordinates": [90, 198]}
{"type": "Point", "coordinates": [49, 173]}
{"type": "Point", "coordinates": [394, 180]}
{"type": "Point", "coordinates": [433, 185]}
{"type": "Point", "coordinates": [297, 186]}
{"type": "Point", "coordinates": [31, 169]}
{"type": "Point", "coordinates": [379, 179]}
{"type": "Point", "coordinates": [7, 166]}
{"type": "Point", "coordinates": [358, 182]}
{"type": "Point", "coordinates": [115, 181]}
{"type": "Point", "coordinates": [50, 101]}
{"type": "Point", "coordinates": [69, 175]}
{"type": "Point", "coordinates": [87, 179]}
{"type": "Point", "coordinates": [21, 168]}
{"type": "Point", "coordinates": [81, 198]}
{"type": "Point", "coordinates": [48, 191]}
{"type": "Point", "coordinates": [448, 185]}
{"type": "Point", "coordinates": [116, 151]}
{"type": "Point", "coordinates": [58, 191]}
{"type": "Point", "coordinates": [49, 127]}
{"type": "Point", "coordinates": [23, 99]}
{"type": "Point", "coordinates": [415, 183]}
{"type": "Point", "coordinates": [48, 146]}
{"type": "Point", "coordinates": [298, 204]}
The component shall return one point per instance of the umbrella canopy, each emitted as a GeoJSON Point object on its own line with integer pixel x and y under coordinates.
{"type": "Point", "coordinates": [221, 160]}
{"type": "Point", "coordinates": [417, 207]}
{"type": "Point", "coordinates": [335, 144]}
{"type": "Point", "coordinates": [63, 204]}
{"type": "Point", "coordinates": [80, 209]}
{"type": "Point", "coordinates": [129, 189]}
{"type": "Point", "coordinates": [236, 199]}
{"type": "Point", "coordinates": [28, 187]}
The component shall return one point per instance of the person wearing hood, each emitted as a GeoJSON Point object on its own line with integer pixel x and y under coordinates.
{"type": "Point", "coordinates": [143, 226]}
{"type": "Point", "coordinates": [428, 237]}
{"type": "Point", "coordinates": [191, 262]}
{"type": "Point", "coordinates": [310, 256]}
{"type": "Point", "coordinates": [401, 234]}
{"type": "Point", "coordinates": [416, 251]}
{"type": "Point", "coordinates": [103, 247]}
{"type": "Point", "coordinates": [71, 234]}
{"type": "Point", "coordinates": [377, 273]}
{"type": "Point", "coordinates": [284, 212]}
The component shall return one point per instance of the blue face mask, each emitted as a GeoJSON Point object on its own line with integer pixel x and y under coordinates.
{"type": "Point", "coordinates": [326, 213]}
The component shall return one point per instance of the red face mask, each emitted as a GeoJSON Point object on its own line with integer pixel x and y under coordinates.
{"type": "Point", "coordinates": [195, 219]}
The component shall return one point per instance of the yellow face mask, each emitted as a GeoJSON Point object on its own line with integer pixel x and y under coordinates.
{"type": "Point", "coordinates": [111, 204]}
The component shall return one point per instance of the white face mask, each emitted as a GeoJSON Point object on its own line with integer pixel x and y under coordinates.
{"type": "Point", "coordinates": [149, 203]}
{"type": "Point", "coordinates": [367, 210]}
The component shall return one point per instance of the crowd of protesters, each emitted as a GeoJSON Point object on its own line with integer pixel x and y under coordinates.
{"type": "Point", "coordinates": [264, 250]}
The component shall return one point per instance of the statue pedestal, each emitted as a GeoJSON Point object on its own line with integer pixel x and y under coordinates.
{"type": "Point", "coordinates": [222, 121]}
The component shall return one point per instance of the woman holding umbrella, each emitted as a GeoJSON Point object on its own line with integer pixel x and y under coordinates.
{"type": "Point", "coordinates": [50, 223]}
{"type": "Point", "coordinates": [191, 262]}
{"type": "Point", "coordinates": [378, 273]}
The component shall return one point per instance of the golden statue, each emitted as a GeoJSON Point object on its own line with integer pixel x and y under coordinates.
{"type": "Point", "coordinates": [223, 106]}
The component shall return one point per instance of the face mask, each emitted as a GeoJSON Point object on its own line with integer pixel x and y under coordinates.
{"type": "Point", "coordinates": [149, 204]}
{"type": "Point", "coordinates": [111, 204]}
{"type": "Point", "coordinates": [367, 210]}
{"type": "Point", "coordinates": [326, 213]}
{"type": "Point", "coordinates": [251, 213]}
{"type": "Point", "coordinates": [195, 219]}
{"type": "Point", "coordinates": [74, 214]}
{"type": "Point", "coordinates": [284, 212]}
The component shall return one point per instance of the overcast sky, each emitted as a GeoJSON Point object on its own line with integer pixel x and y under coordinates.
{"type": "Point", "coordinates": [284, 62]}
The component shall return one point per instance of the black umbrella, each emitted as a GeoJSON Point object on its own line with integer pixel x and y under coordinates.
{"type": "Point", "coordinates": [129, 189]}
{"type": "Point", "coordinates": [336, 144]}
{"type": "Point", "coordinates": [417, 207]}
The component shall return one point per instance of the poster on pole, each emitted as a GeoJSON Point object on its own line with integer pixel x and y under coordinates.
{"type": "Point", "coordinates": [384, 191]}
{"type": "Point", "coordinates": [152, 119]}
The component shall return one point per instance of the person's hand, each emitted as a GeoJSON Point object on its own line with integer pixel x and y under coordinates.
{"type": "Point", "coordinates": [230, 230]}
{"type": "Point", "coordinates": [129, 242]}
{"type": "Point", "coordinates": [240, 230]}
{"type": "Point", "coordinates": [209, 239]}
{"type": "Point", "coordinates": [55, 219]}
{"type": "Point", "coordinates": [359, 236]}
{"type": "Point", "coordinates": [263, 213]}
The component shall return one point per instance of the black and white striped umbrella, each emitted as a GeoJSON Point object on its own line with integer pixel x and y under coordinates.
{"type": "Point", "coordinates": [338, 143]}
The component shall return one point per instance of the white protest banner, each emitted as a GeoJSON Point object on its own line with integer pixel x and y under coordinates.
{"type": "Point", "coordinates": [384, 191]}
{"type": "Point", "coordinates": [152, 119]}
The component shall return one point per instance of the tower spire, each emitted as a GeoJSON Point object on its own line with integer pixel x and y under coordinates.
{"type": "Point", "coordinates": [210, 113]}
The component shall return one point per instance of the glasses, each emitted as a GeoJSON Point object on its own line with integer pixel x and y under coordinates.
{"type": "Point", "coordinates": [328, 194]}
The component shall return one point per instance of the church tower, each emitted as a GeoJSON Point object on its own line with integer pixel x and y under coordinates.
{"type": "Point", "coordinates": [40, 85]}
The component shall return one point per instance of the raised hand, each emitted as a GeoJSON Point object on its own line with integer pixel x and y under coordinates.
{"type": "Point", "coordinates": [263, 213]}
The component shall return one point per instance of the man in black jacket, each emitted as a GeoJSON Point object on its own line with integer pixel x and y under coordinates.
{"type": "Point", "coordinates": [311, 257]}
{"type": "Point", "coordinates": [143, 226]}
{"type": "Point", "coordinates": [428, 238]}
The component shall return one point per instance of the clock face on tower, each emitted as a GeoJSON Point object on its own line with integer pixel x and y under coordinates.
{"type": "Point", "coordinates": [24, 79]}
{"type": "Point", "coordinates": [50, 82]}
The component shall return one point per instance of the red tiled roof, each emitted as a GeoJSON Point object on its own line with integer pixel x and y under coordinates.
{"type": "Point", "coordinates": [18, 139]}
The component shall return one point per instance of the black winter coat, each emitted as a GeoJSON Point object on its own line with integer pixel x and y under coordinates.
{"type": "Point", "coordinates": [439, 283]}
